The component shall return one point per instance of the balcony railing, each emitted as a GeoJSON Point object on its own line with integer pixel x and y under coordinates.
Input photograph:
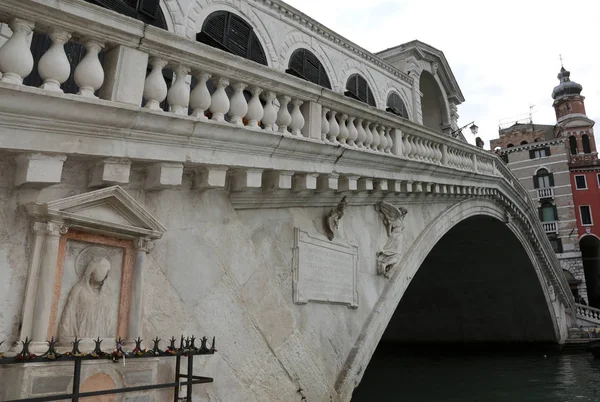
{"type": "Point", "coordinates": [228, 89]}
{"type": "Point", "coordinates": [550, 227]}
{"type": "Point", "coordinates": [545, 192]}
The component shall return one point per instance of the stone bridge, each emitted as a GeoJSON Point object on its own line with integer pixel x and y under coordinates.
{"type": "Point", "coordinates": [300, 243]}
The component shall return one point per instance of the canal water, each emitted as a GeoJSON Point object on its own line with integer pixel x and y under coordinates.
{"type": "Point", "coordinates": [527, 375]}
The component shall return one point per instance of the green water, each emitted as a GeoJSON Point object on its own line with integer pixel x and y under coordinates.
{"type": "Point", "coordinates": [483, 377]}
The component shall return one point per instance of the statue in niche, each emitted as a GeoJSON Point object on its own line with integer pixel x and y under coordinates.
{"type": "Point", "coordinates": [87, 312]}
{"type": "Point", "coordinates": [393, 218]}
{"type": "Point", "coordinates": [332, 220]}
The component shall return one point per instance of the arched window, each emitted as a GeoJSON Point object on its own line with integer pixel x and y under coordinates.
{"type": "Point", "coordinates": [228, 32]}
{"type": "Point", "coordinates": [573, 145]}
{"type": "Point", "coordinates": [305, 65]}
{"type": "Point", "coordinates": [396, 106]}
{"type": "Point", "coordinates": [548, 212]}
{"type": "Point", "coordinates": [509, 145]}
{"type": "Point", "coordinates": [585, 142]}
{"type": "Point", "coordinates": [523, 142]}
{"type": "Point", "coordinates": [543, 179]}
{"type": "Point", "coordinates": [147, 11]}
{"type": "Point", "coordinates": [357, 88]}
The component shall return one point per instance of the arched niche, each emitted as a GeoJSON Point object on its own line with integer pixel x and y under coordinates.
{"type": "Point", "coordinates": [433, 105]}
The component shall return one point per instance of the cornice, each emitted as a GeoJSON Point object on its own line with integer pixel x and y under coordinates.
{"type": "Point", "coordinates": [531, 145]}
{"type": "Point", "coordinates": [321, 30]}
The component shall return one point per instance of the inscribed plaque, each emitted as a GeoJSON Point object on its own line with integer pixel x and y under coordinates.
{"type": "Point", "coordinates": [324, 271]}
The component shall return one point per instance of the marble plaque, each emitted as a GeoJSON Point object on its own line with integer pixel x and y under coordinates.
{"type": "Point", "coordinates": [324, 271]}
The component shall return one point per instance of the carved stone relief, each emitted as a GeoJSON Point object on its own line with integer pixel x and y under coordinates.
{"type": "Point", "coordinates": [388, 258]}
{"type": "Point", "coordinates": [92, 277]}
{"type": "Point", "coordinates": [332, 220]}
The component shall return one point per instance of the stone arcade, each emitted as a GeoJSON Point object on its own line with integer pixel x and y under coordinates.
{"type": "Point", "coordinates": [293, 221]}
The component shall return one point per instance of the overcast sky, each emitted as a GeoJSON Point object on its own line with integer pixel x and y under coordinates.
{"type": "Point", "coordinates": [504, 54]}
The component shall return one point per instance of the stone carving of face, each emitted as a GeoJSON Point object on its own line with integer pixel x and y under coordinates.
{"type": "Point", "coordinates": [100, 270]}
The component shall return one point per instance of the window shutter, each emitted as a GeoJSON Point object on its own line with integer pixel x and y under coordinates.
{"type": "Point", "coordinates": [238, 36]}
{"type": "Point", "coordinates": [548, 151]}
{"type": "Point", "coordinates": [297, 62]}
{"type": "Point", "coordinates": [551, 178]}
{"type": "Point", "coordinates": [149, 8]}
{"type": "Point", "coordinates": [256, 52]}
{"type": "Point", "coordinates": [541, 213]}
{"type": "Point", "coordinates": [554, 210]}
{"type": "Point", "coordinates": [531, 154]}
{"type": "Point", "coordinates": [215, 27]}
{"type": "Point", "coordinates": [536, 182]}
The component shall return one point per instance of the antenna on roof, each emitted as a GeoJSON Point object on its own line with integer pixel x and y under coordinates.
{"type": "Point", "coordinates": [531, 113]}
{"type": "Point", "coordinates": [561, 60]}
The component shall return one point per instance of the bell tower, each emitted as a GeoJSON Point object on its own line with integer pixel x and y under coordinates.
{"type": "Point", "coordinates": [567, 97]}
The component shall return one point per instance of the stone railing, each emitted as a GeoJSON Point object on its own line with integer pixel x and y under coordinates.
{"type": "Point", "coordinates": [588, 313]}
{"type": "Point", "coordinates": [214, 90]}
{"type": "Point", "coordinates": [209, 85]}
{"type": "Point", "coordinates": [550, 227]}
{"type": "Point", "coordinates": [545, 192]}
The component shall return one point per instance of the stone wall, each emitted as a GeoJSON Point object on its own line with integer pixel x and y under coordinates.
{"type": "Point", "coordinates": [228, 273]}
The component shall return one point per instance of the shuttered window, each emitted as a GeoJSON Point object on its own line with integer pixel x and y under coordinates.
{"type": "Point", "coordinates": [586, 215]}
{"type": "Point", "coordinates": [228, 32]}
{"type": "Point", "coordinates": [548, 212]}
{"type": "Point", "coordinates": [543, 179]}
{"type": "Point", "coordinates": [304, 64]}
{"type": "Point", "coordinates": [396, 106]}
{"type": "Point", "coordinates": [357, 88]}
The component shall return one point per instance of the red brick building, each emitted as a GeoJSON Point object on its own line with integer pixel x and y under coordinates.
{"type": "Point", "coordinates": [558, 165]}
{"type": "Point", "coordinates": [584, 167]}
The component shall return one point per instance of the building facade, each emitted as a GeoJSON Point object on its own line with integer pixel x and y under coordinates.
{"type": "Point", "coordinates": [558, 165]}
{"type": "Point", "coordinates": [235, 169]}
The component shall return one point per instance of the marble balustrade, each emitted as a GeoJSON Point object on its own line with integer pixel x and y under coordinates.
{"type": "Point", "coordinates": [216, 88]}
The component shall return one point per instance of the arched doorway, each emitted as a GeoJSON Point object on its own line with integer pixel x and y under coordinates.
{"type": "Point", "coordinates": [476, 286]}
{"type": "Point", "coordinates": [590, 254]}
{"type": "Point", "coordinates": [433, 107]}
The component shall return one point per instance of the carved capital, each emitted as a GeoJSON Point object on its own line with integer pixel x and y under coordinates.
{"type": "Point", "coordinates": [50, 228]}
{"type": "Point", "coordinates": [144, 244]}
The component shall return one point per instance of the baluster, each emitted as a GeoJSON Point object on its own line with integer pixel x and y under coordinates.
{"type": "Point", "coordinates": [334, 127]}
{"type": "Point", "coordinates": [344, 132]}
{"type": "Point", "coordinates": [255, 108]}
{"type": "Point", "coordinates": [426, 151]}
{"type": "Point", "coordinates": [178, 95]}
{"type": "Point", "coordinates": [297, 117]}
{"type": "Point", "coordinates": [439, 154]}
{"type": "Point", "coordinates": [238, 107]}
{"type": "Point", "coordinates": [270, 114]}
{"type": "Point", "coordinates": [369, 140]}
{"type": "Point", "coordinates": [352, 132]}
{"type": "Point", "coordinates": [430, 152]}
{"type": "Point", "coordinates": [155, 87]}
{"type": "Point", "coordinates": [376, 139]}
{"type": "Point", "coordinates": [219, 101]}
{"type": "Point", "coordinates": [382, 139]}
{"type": "Point", "coordinates": [406, 145]}
{"type": "Point", "coordinates": [361, 134]}
{"type": "Point", "coordinates": [89, 74]}
{"type": "Point", "coordinates": [284, 118]}
{"type": "Point", "coordinates": [16, 60]}
{"type": "Point", "coordinates": [200, 97]}
{"type": "Point", "coordinates": [418, 148]}
{"type": "Point", "coordinates": [54, 67]}
{"type": "Point", "coordinates": [390, 141]}
{"type": "Point", "coordinates": [324, 124]}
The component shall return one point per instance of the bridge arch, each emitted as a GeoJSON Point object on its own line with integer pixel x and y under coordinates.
{"type": "Point", "coordinates": [414, 258]}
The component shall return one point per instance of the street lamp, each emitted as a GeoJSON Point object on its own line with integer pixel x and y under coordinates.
{"type": "Point", "coordinates": [474, 129]}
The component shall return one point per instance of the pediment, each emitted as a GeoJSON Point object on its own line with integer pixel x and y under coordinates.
{"type": "Point", "coordinates": [108, 210]}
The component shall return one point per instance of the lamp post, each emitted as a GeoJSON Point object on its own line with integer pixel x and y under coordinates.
{"type": "Point", "coordinates": [474, 129]}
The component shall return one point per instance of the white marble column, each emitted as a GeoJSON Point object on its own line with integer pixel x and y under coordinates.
{"type": "Point", "coordinates": [46, 278]}
{"type": "Point", "coordinates": [134, 328]}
